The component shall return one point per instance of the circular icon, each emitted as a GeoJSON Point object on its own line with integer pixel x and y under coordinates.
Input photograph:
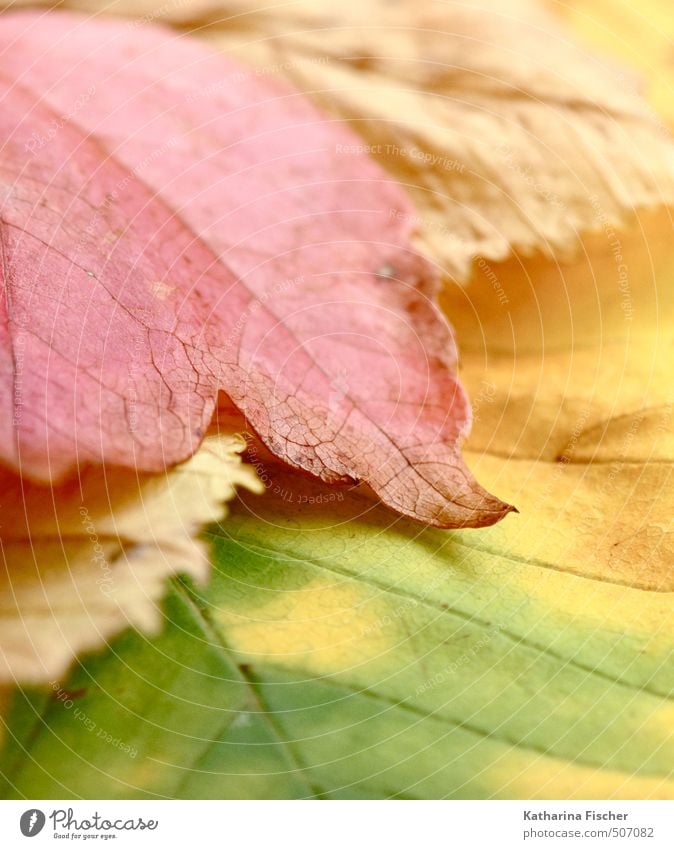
{"type": "Point", "coordinates": [32, 822]}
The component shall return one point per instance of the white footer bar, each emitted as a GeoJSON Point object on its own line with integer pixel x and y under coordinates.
{"type": "Point", "coordinates": [337, 825]}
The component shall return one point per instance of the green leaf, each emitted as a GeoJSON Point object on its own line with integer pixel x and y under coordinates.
{"type": "Point", "coordinates": [340, 652]}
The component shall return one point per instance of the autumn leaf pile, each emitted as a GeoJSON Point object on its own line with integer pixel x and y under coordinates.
{"type": "Point", "coordinates": [278, 249]}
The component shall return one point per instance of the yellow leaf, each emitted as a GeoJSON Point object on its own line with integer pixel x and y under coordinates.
{"type": "Point", "coordinates": [576, 366]}
{"type": "Point", "coordinates": [86, 559]}
{"type": "Point", "coordinates": [513, 662]}
{"type": "Point", "coordinates": [639, 32]}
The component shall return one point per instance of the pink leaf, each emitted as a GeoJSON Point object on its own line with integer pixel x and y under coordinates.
{"type": "Point", "coordinates": [174, 225]}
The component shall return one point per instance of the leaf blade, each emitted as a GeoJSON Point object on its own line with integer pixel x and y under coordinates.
{"type": "Point", "coordinates": [345, 370]}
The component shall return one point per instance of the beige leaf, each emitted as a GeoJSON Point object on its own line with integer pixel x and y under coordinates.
{"type": "Point", "coordinates": [83, 560]}
{"type": "Point", "coordinates": [507, 134]}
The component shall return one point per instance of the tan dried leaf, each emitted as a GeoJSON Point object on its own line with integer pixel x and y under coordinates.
{"type": "Point", "coordinates": [83, 560]}
{"type": "Point", "coordinates": [508, 135]}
